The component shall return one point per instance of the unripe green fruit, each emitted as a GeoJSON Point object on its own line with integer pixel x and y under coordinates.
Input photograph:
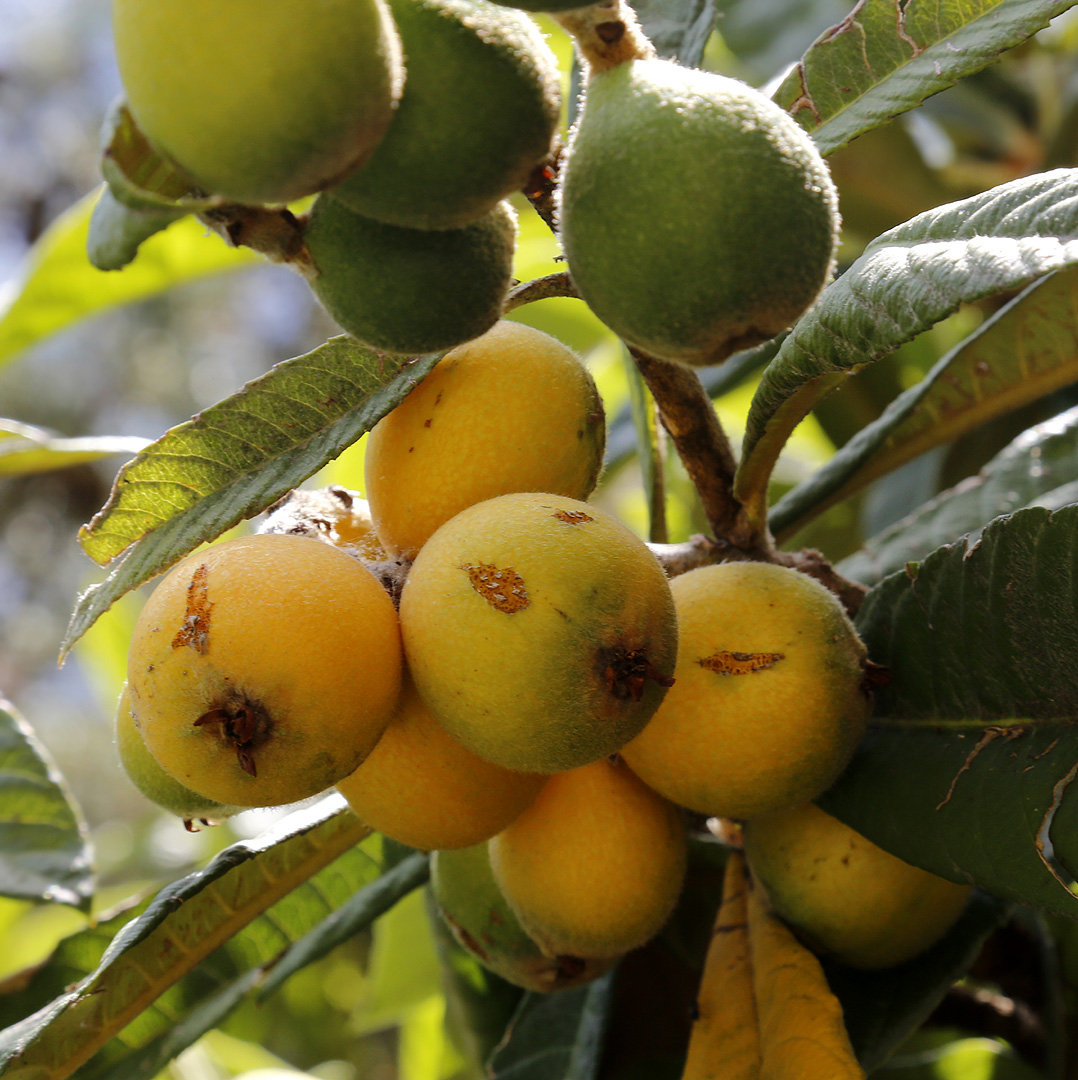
{"type": "Point", "coordinates": [411, 290]}
{"type": "Point", "coordinates": [147, 775]}
{"type": "Point", "coordinates": [847, 897]}
{"type": "Point", "coordinates": [260, 100]}
{"type": "Point", "coordinates": [479, 111]}
{"type": "Point", "coordinates": [481, 919]}
{"type": "Point", "coordinates": [539, 631]}
{"type": "Point", "coordinates": [697, 217]}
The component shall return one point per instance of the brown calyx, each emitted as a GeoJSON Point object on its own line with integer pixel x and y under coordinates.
{"type": "Point", "coordinates": [627, 672]}
{"type": "Point", "coordinates": [243, 726]}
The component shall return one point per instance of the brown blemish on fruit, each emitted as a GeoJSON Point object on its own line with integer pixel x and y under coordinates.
{"type": "Point", "coordinates": [572, 517]}
{"type": "Point", "coordinates": [627, 674]}
{"type": "Point", "coordinates": [243, 726]}
{"type": "Point", "coordinates": [195, 630]}
{"type": "Point", "coordinates": [502, 588]}
{"type": "Point", "coordinates": [740, 663]}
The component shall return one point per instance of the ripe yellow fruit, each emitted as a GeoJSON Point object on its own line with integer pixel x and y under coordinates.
{"type": "Point", "coordinates": [513, 410]}
{"type": "Point", "coordinates": [768, 704]}
{"type": "Point", "coordinates": [156, 784]}
{"type": "Point", "coordinates": [481, 919]}
{"type": "Point", "coordinates": [697, 217]}
{"type": "Point", "coordinates": [478, 113]}
{"type": "Point", "coordinates": [420, 786]}
{"type": "Point", "coordinates": [595, 865]}
{"type": "Point", "coordinates": [539, 631]}
{"type": "Point", "coordinates": [845, 896]}
{"type": "Point", "coordinates": [260, 101]}
{"type": "Point", "coordinates": [410, 290]}
{"type": "Point", "coordinates": [264, 669]}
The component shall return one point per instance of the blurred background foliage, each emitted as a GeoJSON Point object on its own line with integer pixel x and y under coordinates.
{"type": "Point", "coordinates": [375, 1008]}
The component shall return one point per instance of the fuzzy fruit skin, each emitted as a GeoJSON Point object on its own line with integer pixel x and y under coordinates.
{"type": "Point", "coordinates": [514, 410]}
{"type": "Point", "coordinates": [527, 670]}
{"type": "Point", "coordinates": [845, 896]}
{"type": "Point", "coordinates": [156, 784]}
{"type": "Point", "coordinates": [258, 100]}
{"type": "Point", "coordinates": [410, 290]}
{"type": "Point", "coordinates": [480, 917]}
{"type": "Point", "coordinates": [294, 634]}
{"type": "Point", "coordinates": [697, 217]}
{"type": "Point", "coordinates": [478, 113]}
{"type": "Point", "coordinates": [738, 738]}
{"type": "Point", "coordinates": [421, 787]}
{"type": "Point", "coordinates": [595, 865]}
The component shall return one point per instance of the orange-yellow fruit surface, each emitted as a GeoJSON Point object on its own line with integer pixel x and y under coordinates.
{"type": "Point", "coordinates": [422, 787]}
{"type": "Point", "coordinates": [594, 866]}
{"type": "Point", "coordinates": [845, 896]}
{"type": "Point", "coordinates": [539, 631]}
{"type": "Point", "coordinates": [767, 706]}
{"type": "Point", "coordinates": [513, 410]}
{"type": "Point", "coordinates": [264, 669]}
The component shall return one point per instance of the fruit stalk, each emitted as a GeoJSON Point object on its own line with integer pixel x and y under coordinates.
{"type": "Point", "coordinates": [691, 421]}
{"type": "Point", "coordinates": [606, 35]}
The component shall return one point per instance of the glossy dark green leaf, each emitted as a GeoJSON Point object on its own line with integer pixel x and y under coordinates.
{"type": "Point", "coordinates": [907, 280]}
{"type": "Point", "coordinates": [678, 29]}
{"type": "Point", "coordinates": [1039, 468]}
{"type": "Point", "coordinates": [1024, 351]}
{"type": "Point", "coordinates": [974, 744]}
{"type": "Point", "coordinates": [556, 1036]}
{"type": "Point", "coordinates": [886, 58]}
{"type": "Point", "coordinates": [45, 850]}
{"type": "Point", "coordinates": [236, 458]}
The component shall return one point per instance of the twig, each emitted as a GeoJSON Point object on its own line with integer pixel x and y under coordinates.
{"type": "Point", "coordinates": [557, 284]}
{"type": "Point", "coordinates": [276, 233]}
{"type": "Point", "coordinates": [606, 35]}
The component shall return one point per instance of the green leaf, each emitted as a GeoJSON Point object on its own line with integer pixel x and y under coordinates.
{"type": "Point", "coordinates": [883, 1008]}
{"type": "Point", "coordinates": [1027, 472]}
{"type": "Point", "coordinates": [906, 280]}
{"type": "Point", "coordinates": [679, 29]}
{"type": "Point", "coordinates": [1024, 351]}
{"type": "Point", "coordinates": [117, 231]}
{"type": "Point", "coordinates": [58, 286]}
{"type": "Point", "coordinates": [28, 449]}
{"type": "Point", "coordinates": [556, 1036]}
{"type": "Point", "coordinates": [885, 58]}
{"type": "Point", "coordinates": [44, 843]}
{"type": "Point", "coordinates": [139, 976]}
{"type": "Point", "coordinates": [974, 743]}
{"type": "Point", "coordinates": [237, 458]}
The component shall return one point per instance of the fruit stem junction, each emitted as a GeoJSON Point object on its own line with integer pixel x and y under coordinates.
{"type": "Point", "coordinates": [606, 35]}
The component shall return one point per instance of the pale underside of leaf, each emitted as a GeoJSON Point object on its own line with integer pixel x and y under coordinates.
{"type": "Point", "coordinates": [907, 279]}
{"type": "Point", "coordinates": [886, 57]}
{"type": "Point", "coordinates": [1025, 350]}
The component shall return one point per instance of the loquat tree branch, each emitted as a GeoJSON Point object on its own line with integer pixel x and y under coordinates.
{"type": "Point", "coordinates": [558, 284]}
{"type": "Point", "coordinates": [273, 232]}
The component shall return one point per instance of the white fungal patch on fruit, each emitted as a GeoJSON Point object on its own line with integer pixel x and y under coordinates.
{"type": "Point", "coordinates": [503, 589]}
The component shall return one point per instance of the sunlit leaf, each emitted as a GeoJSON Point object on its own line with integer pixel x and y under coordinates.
{"type": "Point", "coordinates": [907, 280]}
{"type": "Point", "coordinates": [58, 286]}
{"type": "Point", "coordinates": [236, 458]}
{"type": "Point", "coordinates": [974, 743]}
{"type": "Point", "coordinates": [28, 449]}
{"type": "Point", "coordinates": [1040, 465]}
{"type": "Point", "coordinates": [183, 925]}
{"type": "Point", "coordinates": [885, 58]}
{"type": "Point", "coordinates": [44, 843]}
{"type": "Point", "coordinates": [1024, 351]}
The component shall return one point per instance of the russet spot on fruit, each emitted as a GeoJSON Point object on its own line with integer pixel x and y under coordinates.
{"type": "Point", "coordinates": [260, 100]}
{"type": "Point", "coordinates": [513, 410]}
{"type": "Point", "coordinates": [539, 631]}
{"type": "Point", "coordinates": [595, 865]}
{"type": "Point", "coordinates": [264, 669]}
{"type": "Point", "coordinates": [697, 217]}
{"type": "Point", "coordinates": [847, 897]}
{"type": "Point", "coordinates": [423, 788]}
{"type": "Point", "coordinates": [768, 703]}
